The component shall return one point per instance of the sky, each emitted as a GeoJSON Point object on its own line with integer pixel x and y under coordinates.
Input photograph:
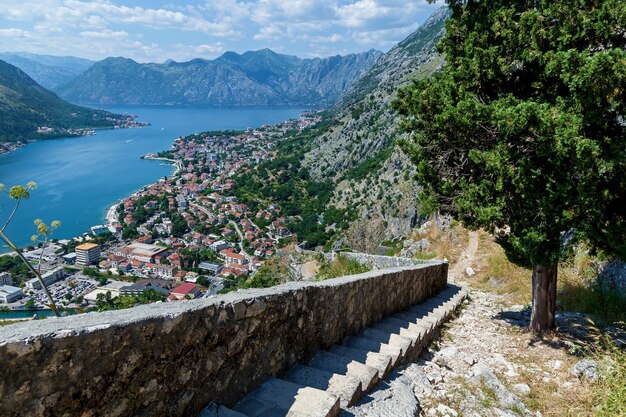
{"type": "Point", "coordinates": [154, 31]}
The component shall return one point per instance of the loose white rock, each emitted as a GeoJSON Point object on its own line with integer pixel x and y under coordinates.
{"type": "Point", "coordinates": [444, 410]}
{"type": "Point", "coordinates": [521, 389]}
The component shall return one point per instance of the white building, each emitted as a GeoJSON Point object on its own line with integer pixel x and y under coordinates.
{"type": "Point", "coordinates": [219, 245]}
{"type": "Point", "coordinates": [8, 294]}
{"type": "Point", "coordinates": [87, 254]}
{"type": "Point", "coordinates": [6, 278]}
{"type": "Point", "coordinates": [163, 271]}
{"type": "Point", "coordinates": [48, 278]}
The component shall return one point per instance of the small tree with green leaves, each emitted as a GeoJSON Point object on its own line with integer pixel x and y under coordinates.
{"type": "Point", "coordinates": [523, 132]}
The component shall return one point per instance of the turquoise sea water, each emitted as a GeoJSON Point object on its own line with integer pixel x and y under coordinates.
{"type": "Point", "coordinates": [80, 178]}
{"type": "Point", "coordinates": [27, 314]}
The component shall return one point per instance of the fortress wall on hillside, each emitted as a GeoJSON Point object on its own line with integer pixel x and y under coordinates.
{"type": "Point", "coordinates": [171, 359]}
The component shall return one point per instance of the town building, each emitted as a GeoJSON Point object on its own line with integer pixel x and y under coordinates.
{"type": "Point", "coordinates": [142, 286]}
{"type": "Point", "coordinates": [6, 278]}
{"type": "Point", "coordinates": [212, 268]}
{"type": "Point", "coordinates": [162, 271]}
{"type": "Point", "coordinates": [9, 294]}
{"type": "Point", "coordinates": [48, 278]}
{"type": "Point", "coordinates": [219, 245]}
{"type": "Point", "coordinates": [70, 258]}
{"type": "Point", "coordinates": [235, 259]}
{"type": "Point", "coordinates": [146, 253]}
{"type": "Point", "coordinates": [87, 254]}
{"type": "Point", "coordinates": [185, 291]}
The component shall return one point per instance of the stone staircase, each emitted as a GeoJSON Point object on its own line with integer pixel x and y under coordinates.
{"type": "Point", "coordinates": [337, 378]}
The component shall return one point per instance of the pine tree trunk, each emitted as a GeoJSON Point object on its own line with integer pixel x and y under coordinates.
{"type": "Point", "coordinates": [544, 298]}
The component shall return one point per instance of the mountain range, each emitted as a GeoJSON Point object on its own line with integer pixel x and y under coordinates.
{"type": "Point", "coordinates": [49, 71]}
{"type": "Point", "coordinates": [25, 106]}
{"type": "Point", "coordinates": [255, 78]}
{"type": "Point", "coordinates": [359, 150]}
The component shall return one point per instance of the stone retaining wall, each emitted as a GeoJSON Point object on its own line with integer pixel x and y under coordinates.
{"type": "Point", "coordinates": [384, 262]}
{"type": "Point", "coordinates": [171, 359]}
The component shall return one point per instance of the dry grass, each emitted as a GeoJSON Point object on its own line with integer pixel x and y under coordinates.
{"type": "Point", "coordinates": [577, 291]}
{"type": "Point", "coordinates": [339, 267]}
{"type": "Point", "coordinates": [497, 274]}
{"type": "Point", "coordinates": [611, 390]}
{"type": "Point", "coordinates": [550, 397]}
{"type": "Point", "coordinates": [577, 288]}
{"type": "Point", "coordinates": [444, 243]}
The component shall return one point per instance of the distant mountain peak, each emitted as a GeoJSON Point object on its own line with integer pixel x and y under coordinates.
{"type": "Point", "coordinates": [25, 106]}
{"type": "Point", "coordinates": [48, 70]}
{"type": "Point", "coordinates": [261, 77]}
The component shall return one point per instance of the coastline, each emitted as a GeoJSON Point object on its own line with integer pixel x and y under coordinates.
{"type": "Point", "coordinates": [111, 212]}
{"type": "Point", "coordinates": [177, 163]}
{"type": "Point", "coordinates": [111, 217]}
{"type": "Point", "coordinates": [9, 147]}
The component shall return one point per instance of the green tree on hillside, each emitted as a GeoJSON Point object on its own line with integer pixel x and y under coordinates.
{"type": "Point", "coordinates": [523, 132]}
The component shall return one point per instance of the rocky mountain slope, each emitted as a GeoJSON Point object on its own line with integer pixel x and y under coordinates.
{"type": "Point", "coordinates": [359, 153]}
{"type": "Point", "coordinates": [25, 106]}
{"type": "Point", "coordinates": [253, 78]}
{"type": "Point", "coordinates": [48, 71]}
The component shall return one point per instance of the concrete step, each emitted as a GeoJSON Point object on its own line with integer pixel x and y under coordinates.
{"type": "Point", "coordinates": [312, 402]}
{"type": "Point", "coordinates": [214, 410]}
{"type": "Point", "coordinates": [418, 326]}
{"type": "Point", "coordinates": [421, 310]}
{"type": "Point", "coordinates": [348, 389]}
{"type": "Point", "coordinates": [429, 319]}
{"type": "Point", "coordinates": [373, 359]}
{"type": "Point", "coordinates": [279, 398]}
{"type": "Point", "coordinates": [369, 345]}
{"type": "Point", "coordinates": [345, 366]}
{"type": "Point", "coordinates": [391, 339]}
{"type": "Point", "coordinates": [338, 378]}
{"type": "Point", "coordinates": [253, 407]}
{"type": "Point", "coordinates": [409, 332]}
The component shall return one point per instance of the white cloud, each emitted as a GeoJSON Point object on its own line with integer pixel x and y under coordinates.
{"type": "Point", "coordinates": [382, 38]}
{"type": "Point", "coordinates": [296, 11]}
{"type": "Point", "coordinates": [182, 30]}
{"type": "Point", "coordinates": [181, 52]}
{"type": "Point", "coordinates": [105, 34]}
{"type": "Point", "coordinates": [101, 13]}
{"type": "Point", "coordinates": [14, 33]}
{"type": "Point", "coordinates": [272, 32]}
{"type": "Point", "coordinates": [334, 38]}
{"type": "Point", "coordinates": [380, 14]}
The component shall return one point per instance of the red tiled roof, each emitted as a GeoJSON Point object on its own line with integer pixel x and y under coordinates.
{"type": "Point", "coordinates": [184, 289]}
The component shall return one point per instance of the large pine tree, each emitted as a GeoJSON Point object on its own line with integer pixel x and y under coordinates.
{"type": "Point", "coordinates": [523, 132]}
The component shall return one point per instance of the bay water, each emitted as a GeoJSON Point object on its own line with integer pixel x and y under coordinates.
{"type": "Point", "coordinates": [78, 179]}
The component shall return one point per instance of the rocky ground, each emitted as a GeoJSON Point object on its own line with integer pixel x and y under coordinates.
{"type": "Point", "coordinates": [486, 364]}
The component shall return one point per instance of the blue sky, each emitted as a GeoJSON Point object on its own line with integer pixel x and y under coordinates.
{"type": "Point", "coordinates": [153, 31]}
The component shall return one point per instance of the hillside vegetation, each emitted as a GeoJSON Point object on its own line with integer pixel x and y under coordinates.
{"type": "Point", "coordinates": [368, 188]}
{"type": "Point", "coordinates": [25, 106]}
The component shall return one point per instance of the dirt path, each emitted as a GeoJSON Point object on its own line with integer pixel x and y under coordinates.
{"type": "Point", "coordinates": [485, 364]}
{"type": "Point", "coordinates": [467, 258]}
